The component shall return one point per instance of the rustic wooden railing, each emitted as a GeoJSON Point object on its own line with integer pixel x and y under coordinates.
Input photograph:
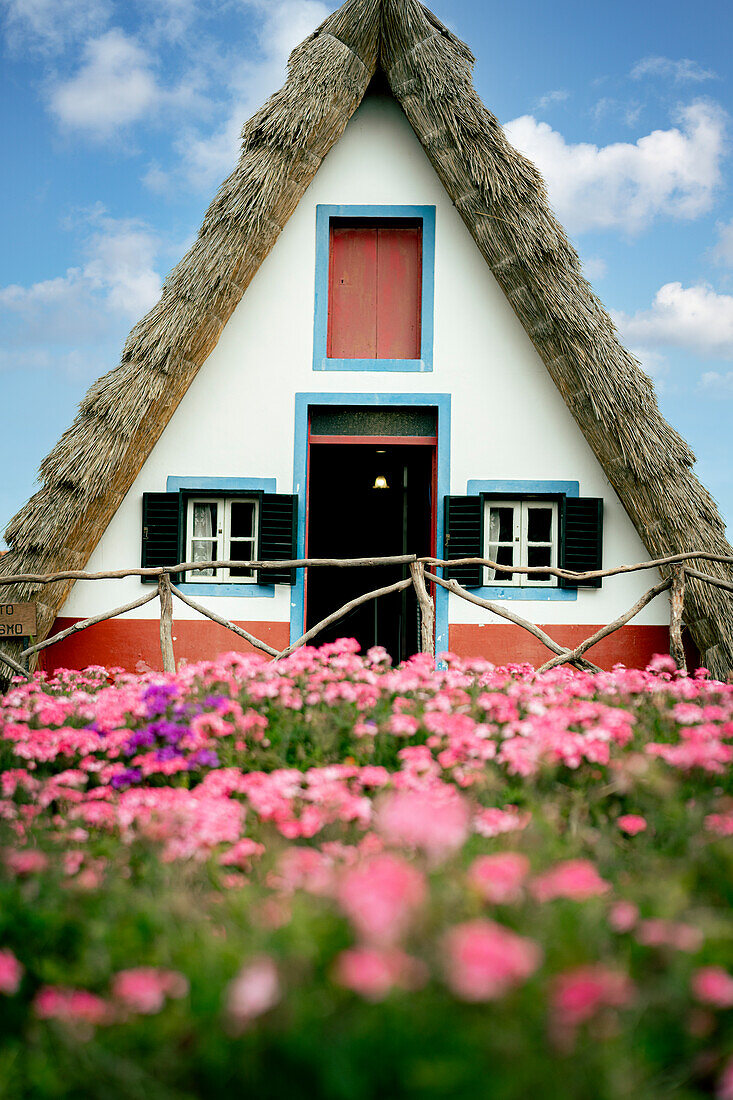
{"type": "Point", "coordinates": [420, 577]}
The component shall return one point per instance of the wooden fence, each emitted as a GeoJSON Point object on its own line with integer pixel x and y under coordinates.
{"type": "Point", "coordinates": [421, 576]}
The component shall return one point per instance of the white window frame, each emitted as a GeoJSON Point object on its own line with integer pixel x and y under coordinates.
{"type": "Point", "coordinates": [222, 536]}
{"type": "Point", "coordinates": [521, 543]}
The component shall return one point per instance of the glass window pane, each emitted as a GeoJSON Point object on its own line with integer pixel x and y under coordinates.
{"type": "Point", "coordinates": [241, 550]}
{"type": "Point", "coordinates": [502, 524]}
{"type": "Point", "coordinates": [504, 555]}
{"type": "Point", "coordinates": [242, 519]}
{"type": "Point", "coordinates": [204, 550]}
{"type": "Point", "coordinates": [204, 519]}
{"type": "Point", "coordinates": [539, 524]}
{"type": "Point", "coordinates": [538, 555]}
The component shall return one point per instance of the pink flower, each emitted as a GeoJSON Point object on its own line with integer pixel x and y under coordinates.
{"type": "Point", "coordinates": [435, 820]}
{"type": "Point", "coordinates": [242, 853]}
{"type": "Point", "coordinates": [254, 991]}
{"type": "Point", "coordinates": [71, 1005]}
{"type": "Point", "coordinates": [499, 878]}
{"type": "Point", "coordinates": [578, 995]}
{"type": "Point", "coordinates": [380, 897]}
{"type": "Point", "coordinates": [373, 972]}
{"type": "Point", "coordinates": [494, 821]}
{"type": "Point", "coordinates": [145, 988]}
{"type": "Point", "coordinates": [623, 916]}
{"type": "Point", "coordinates": [11, 972]}
{"type": "Point", "coordinates": [575, 878]}
{"type": "Point", "coordinates": [631, 824]}
{"type": "Point", "coordinates": [712, 985]}
{"type": "Point", "coordinates": [483, 960]}
{"type": "Point", "coordinates": [26, 862]}
{"type": "Point", "coordinates": [662, 662]}
{"type": "Point", "coordinates": [668, 933]}
{"type": "Point", "coordinates": [720, 824]}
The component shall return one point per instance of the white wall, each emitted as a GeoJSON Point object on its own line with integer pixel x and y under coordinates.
{"type": "Point", "coordinates": [508, 420]}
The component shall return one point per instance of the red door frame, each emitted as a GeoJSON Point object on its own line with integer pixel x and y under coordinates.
{"type": "Point", "coordinates": [378, 440]}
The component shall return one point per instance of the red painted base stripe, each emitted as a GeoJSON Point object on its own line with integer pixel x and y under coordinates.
{"type": "Point", "coordinates": [133, 643]}
{"type": "Point", "coordinates": [130, 643]}
{"type": "Point", "coordinates": [633, 646]}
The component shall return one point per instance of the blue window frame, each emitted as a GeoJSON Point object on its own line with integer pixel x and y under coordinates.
{"type": "Point", "coordinates": [324, 214]}
{"type": "Point", "coordinates": [220, 486]}
{"type": "Point", "coordinates": [519, 489]}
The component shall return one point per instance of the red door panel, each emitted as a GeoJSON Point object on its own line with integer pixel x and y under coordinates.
{"type": "Point", "coordinates": [375, 292]}
{"type": "Point", "coordinates": [398, 293]}
{"type": "Point", "coordinates": [352, 320]}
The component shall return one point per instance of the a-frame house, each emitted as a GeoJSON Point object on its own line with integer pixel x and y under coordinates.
{"type": "Point", "coordinates": [381, 339]}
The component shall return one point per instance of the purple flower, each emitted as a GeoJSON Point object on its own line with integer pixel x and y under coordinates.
{"type": "Point", "coordinates": [126, 778]}
{"type": "Point", "coordinates": [204, 758]}
{"type": "Point", "coordinates": [158, 697]}
{"type": "Point", "coordinates": [215, 702]}
{"type": "Point", "coordinates": [168, 753]}
{"type": "Point", "coordinates": [170, 732]}
{"type": "Point", "coordinates": [140, 739]}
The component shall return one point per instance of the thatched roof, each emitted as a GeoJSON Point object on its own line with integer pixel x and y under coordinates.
{"type": "Point", "coordinates": [501, 198]}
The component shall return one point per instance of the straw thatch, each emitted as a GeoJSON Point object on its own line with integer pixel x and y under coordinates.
{"type": "Point", "coordinates": [501, 198]}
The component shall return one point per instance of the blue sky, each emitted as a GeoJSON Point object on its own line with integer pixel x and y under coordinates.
{"type": "Point", "coordinates": [121, 117]}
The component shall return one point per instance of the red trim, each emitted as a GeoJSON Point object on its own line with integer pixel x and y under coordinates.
{"type": "Point", "coordinates": [127, 643]}
{"type": "Point", "coordinates": [131, 643]}
{"type": "Point", "coordinates": [391, 440]}
{"type": "Point", "coordinates": [632, 645]}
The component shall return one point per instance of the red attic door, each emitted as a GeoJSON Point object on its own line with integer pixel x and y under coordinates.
{"type": "Point", "coordinates": [375, 292]}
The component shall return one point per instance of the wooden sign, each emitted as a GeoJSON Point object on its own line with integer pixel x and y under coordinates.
{"type": "Point", "coordinates": [17, 620]}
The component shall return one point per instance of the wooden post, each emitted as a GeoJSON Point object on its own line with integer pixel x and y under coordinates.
{"type": "Point", "coordinates": [622, 620]}
{"type": "Point", "coordinates": [166, 623]}
{"type": "Point", "coordinates": [512, 617]}
{"type": "Point", "coordinates": [427, 609]}
{"type": "Point", "coordinates": [677, 603]}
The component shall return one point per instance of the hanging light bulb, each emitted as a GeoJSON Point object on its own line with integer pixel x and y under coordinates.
{"type": "Point", "coordinates": [380, 482]}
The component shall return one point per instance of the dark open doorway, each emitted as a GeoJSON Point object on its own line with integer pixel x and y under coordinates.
{"type": "Point", "coordinates": [368, 500]}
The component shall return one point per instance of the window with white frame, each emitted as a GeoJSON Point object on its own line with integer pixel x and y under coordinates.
{"type": "Point", "coordinates": [521, 532]}
{"type": "Point", "coordinates": [222, 529]}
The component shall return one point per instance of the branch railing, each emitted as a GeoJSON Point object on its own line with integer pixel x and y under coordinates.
{"type": "Point", "coordinates": [419, 579]}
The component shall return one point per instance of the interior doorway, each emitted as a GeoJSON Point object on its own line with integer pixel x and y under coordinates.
{"type": "Point", "coordinates": [370, 498]}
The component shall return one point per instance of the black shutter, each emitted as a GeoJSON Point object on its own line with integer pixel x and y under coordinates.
{"type": "Point", "coordinates": [581, 539]}
{"type": "Point", "coordinates": [160, 536]}
{"type": "Point", "coordinates": [464, 522]}
{"type": "Point", "coordinates": [278, 531]}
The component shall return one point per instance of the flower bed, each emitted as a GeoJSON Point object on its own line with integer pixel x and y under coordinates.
{"type": "Point", "coordinates": [329, 878]}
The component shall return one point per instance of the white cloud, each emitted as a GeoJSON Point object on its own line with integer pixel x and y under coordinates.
{"type": "Point", "coordinates": [695, 318]}
{"type": "Point", "coordinates": [594, 267]}
{"type": "Point", "coordinates": [722, 252]}
{"type": "Point", "coordinates": [54, 320]}
{"type": "Point", "coordinates": [115, 86]}
{"type": "Point", "coordinates": [718, 383]}
{"type": "Point", "coordinates": [680, 71]}
{"type": "Point", "coordinates": [282, 25]}
{"type": "Point", "coordinates": [626, 186]}
{"type": "Point", "coordinates": [121, 264]}
{"type": "Point", "coordinates": [50, 25]}
{"type": "Point", "coordinates": [173, 19]}
{"type": "Point", "coordinates": [559, 95]}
